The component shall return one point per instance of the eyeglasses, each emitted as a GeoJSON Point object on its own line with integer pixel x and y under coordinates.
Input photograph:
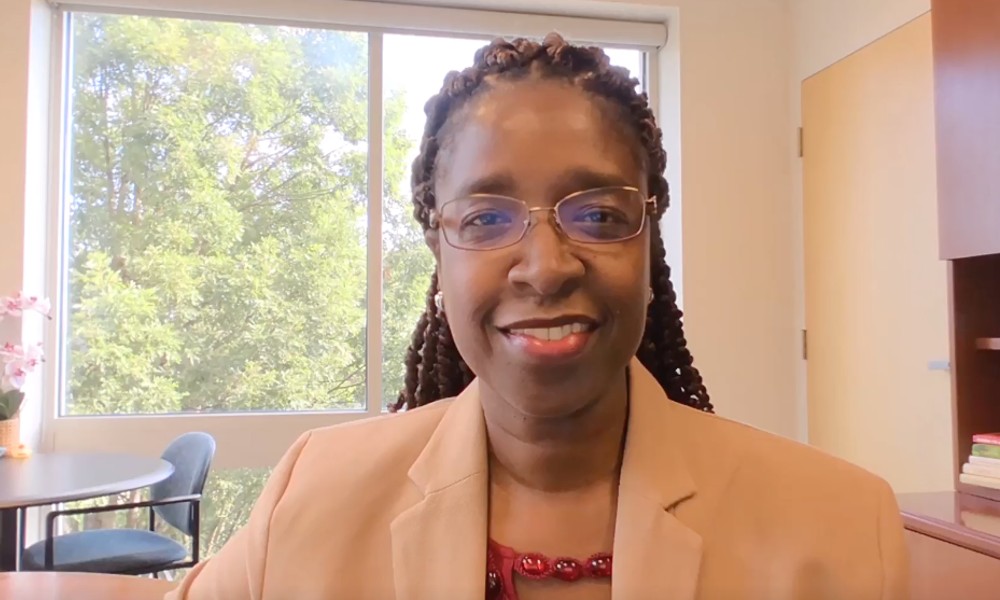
{"type": "Point", "coordinates": [597, 216]}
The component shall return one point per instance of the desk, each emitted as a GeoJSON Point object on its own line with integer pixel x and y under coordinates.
{"type": "Point", "coordinates": [53, 478]}
{"type": "Point", "coordinates": [80, 586]}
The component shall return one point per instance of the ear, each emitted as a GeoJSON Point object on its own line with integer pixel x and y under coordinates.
{"type": "Point", "coordinates": [432, 237]}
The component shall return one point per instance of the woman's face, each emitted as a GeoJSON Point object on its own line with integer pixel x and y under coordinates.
{"type": "Point", "coordinates": [539, 141]}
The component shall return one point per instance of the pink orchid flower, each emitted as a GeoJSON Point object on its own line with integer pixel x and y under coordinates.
{"type": "Point", "coordinates": [18, 362]}
{"type": "Point", "coordinates": [16, 306]}
{"type": "Point", "coordinates": [13, 376]}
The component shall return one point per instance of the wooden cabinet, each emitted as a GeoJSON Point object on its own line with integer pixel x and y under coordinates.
{"type": "Point", "coordinates": [966, 37]}
{"type": "Point", "coordinates": [940, 569]}
{"type": "Point", "coordinates": [954, 546]}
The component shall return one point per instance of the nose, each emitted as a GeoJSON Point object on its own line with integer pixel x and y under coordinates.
{"type": "Point", "coordinates": [546, 264]}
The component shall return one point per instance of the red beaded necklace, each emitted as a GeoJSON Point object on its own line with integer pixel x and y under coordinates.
{"type": "Point", "coordinates": [502, 562]}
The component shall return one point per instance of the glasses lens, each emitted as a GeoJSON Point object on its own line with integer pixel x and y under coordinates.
{"type": "Point", "coordinates": [483, 222]}
{"type": "Point", "coordinates": [603, 215]}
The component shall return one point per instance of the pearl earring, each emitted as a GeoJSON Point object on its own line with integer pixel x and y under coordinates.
{"type": "Point", "coordinates": [439, 302]}
{"type": "Point", "coordinates": [651, 296]}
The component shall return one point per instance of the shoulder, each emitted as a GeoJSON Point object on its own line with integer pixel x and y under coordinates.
{"type": "Point", "coordinates": [391, 438]}
{"type": "Point", "coordinates": [359, 469]}
{"type": "Point", "coordinates": [817, 523]}
{"type": "Point", "coordinates": [730, 455]}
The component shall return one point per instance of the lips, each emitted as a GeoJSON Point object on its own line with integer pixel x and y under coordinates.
{"type": "Point", "coordinates": [556, 338]}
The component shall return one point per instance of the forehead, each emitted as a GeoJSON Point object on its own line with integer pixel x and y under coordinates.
{"type": "Point", "coordinates": [535, 138]}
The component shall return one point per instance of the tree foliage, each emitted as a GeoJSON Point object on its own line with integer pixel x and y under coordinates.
{"type": "Point", "coordinates": [218, 203]}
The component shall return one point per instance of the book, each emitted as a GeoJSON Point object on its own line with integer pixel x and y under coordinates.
{"type": "Point", "coordinates": [986, 438]}
{"type": "Point", "coordinates": [988, 450]}
{"type": "Point", "coordinates": [980, 469]}
{"type": "Point", "coordinates": [987, 482]}
{"type": "Point", "coordinates": [985, 460]}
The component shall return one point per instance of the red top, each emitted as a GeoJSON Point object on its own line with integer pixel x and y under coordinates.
{"type": "Point", "coordinates": [502, 562]}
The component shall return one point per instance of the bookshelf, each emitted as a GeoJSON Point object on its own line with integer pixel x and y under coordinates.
{"type": "Point", "coordinates": [975, 331]}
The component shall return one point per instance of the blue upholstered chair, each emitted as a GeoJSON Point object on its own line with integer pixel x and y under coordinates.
{"type": "Point", "coordinates": [176, 500]}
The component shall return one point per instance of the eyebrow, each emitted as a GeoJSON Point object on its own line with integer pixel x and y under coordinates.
{"type": "Point", "coordinates": [501, 184]}
{"type": "Point", "coordinates": [574, 180]}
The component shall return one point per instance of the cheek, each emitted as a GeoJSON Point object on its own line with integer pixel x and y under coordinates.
{"type": "Point", "coordinates": [625, 272]}
{"type": "Point", "coordinates": [471, 284]}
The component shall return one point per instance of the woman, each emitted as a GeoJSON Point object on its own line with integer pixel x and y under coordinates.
{"type": "Point", "coordinates": [563, 469]}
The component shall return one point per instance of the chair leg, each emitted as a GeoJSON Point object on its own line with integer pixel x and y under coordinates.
{"type": "Point", "coordinates": [21, 536]}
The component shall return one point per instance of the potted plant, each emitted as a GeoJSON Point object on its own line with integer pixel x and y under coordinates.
{"type": "Point", "coordinates": [16, 363]}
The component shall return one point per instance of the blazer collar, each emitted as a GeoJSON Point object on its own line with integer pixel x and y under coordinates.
{"type": "Point", "coordinates": [439, 544]}
{"type": "Point", "coordinates": [655, 554]}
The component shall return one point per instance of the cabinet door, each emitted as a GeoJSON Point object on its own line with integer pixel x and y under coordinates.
{"type": "Point", "coordinates": [967, 98]}
{"type": "Point", "coordinates": [942, 570]}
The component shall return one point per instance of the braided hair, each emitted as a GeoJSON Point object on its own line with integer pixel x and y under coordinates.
{"type": "Point", "coordinates": [434, 368]}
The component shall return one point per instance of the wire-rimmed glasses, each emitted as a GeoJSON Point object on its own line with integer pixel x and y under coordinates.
{"type": "Point", "coordinates": [597, 216]}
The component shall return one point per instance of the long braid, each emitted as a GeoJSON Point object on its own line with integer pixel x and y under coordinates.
{"type": "Point", "coordinates": [663, 350]}
{"type": "Point", "coordinates": [434, 368]}
{"type": "Point", "coordinates": [426, 383]}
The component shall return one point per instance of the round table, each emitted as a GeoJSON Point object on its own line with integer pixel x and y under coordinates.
{"type": "Point", "coordinates": [51, 478]}
{"type": "Point", "coordinates": [80, 586]}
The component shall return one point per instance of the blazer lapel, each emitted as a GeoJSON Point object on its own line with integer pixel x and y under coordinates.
{"type": "Point", "coordinates": [655, 554]}
{"type": "Point", "coordinates": [439, 544]}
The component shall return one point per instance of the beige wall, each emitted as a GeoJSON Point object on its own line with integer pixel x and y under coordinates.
{"type": "Point", "coordinates": [13, 131]}
{"type": "Point", "coordinates": [735, 181]}
{"type": "Point", "coordinates": [25, 32]}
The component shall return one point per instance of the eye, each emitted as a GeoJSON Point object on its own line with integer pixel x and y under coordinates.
{"type": "Point", "coordinates": [598, 214]}
{"type": "Point", "coordinates": [487, 218]}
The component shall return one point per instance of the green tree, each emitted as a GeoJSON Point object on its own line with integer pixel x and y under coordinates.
{"type": "Point", "coordinates": [217, 250]}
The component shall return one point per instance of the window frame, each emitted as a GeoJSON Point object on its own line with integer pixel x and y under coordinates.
{"type": "Point", "coordinates": [272, 431]}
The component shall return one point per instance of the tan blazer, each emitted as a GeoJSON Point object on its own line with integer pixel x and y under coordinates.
{"type": "Point", "coordinates": [708, 509]}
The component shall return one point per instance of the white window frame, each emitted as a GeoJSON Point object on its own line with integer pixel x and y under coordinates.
{"type": "Point", "coordinates": [269, 434]}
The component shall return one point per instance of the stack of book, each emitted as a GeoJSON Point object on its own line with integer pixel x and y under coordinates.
{"type": "Point", "coordinates": [983, 467]}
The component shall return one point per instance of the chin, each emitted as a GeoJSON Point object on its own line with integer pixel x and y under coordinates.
{"type": "Point", "coordinates": [554, 392]}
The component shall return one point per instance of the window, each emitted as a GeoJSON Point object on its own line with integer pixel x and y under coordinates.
{"type": "Point", "coordinates": [217, 201]}
{"type": "Point", "coordinates": [217, 214]}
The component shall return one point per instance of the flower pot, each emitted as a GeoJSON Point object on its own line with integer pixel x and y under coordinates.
{"type": "Point", "coordinates": [10, 434]}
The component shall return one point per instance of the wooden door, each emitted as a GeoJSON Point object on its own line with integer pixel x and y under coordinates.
{"type": "Point", "coordinates": [876, 291]}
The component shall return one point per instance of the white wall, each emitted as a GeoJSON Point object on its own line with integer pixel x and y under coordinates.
{"type": "Point", "coordinates": [828, 30]}
{"type": "Point", "coordinates": [736, 132]}
{"type": "Point", "coordinates": [736, 140]}
{"type": "Point", "coordinates": [823, 32]}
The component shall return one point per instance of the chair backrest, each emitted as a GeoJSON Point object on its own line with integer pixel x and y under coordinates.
{"type": "Point", "coordinates": [191, 455]}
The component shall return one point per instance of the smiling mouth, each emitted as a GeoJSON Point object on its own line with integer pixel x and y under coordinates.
{"type": "Point", "coordinates": [553, 333]}
{"type": "Point", "coordinates": [550, 339]}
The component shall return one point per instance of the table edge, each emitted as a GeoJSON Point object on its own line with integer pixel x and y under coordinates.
{"type": "Point", "coordinates": [166, 470]}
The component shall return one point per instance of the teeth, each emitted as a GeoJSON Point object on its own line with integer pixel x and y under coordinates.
{"type": "Point", "coordinates": [551, 333]}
